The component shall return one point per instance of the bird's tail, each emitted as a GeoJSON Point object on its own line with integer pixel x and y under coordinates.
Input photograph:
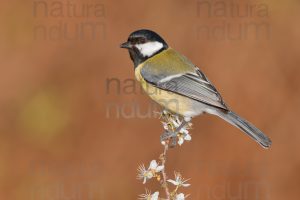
{"type": "Point", "coordinates": [246, 127]}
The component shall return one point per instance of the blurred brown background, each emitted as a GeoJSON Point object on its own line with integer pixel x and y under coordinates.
{"type": "Point", "coordinates": [67, 134]}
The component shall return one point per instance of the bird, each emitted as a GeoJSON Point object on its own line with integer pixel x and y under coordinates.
{"type": "Point", "coordinates": [179, 86]}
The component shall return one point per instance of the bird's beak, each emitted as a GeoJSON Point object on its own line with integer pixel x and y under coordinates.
{"type": "Point", "coordinates": [126, 45]}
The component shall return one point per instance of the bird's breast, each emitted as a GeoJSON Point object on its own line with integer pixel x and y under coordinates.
{"type": "Point", "coordinates": [174, 102]}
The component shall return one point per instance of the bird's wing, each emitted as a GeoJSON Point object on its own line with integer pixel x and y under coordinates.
{"type": "Point", "coordinates": [177, 74]}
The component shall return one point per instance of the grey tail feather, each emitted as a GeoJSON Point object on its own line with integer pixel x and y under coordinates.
{"type": "Point", "coordinates": [246, 127]}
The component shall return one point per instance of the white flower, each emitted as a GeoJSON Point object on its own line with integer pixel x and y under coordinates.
{"type": "Point", "coordinates": [180, 197]}
{"type": "Point", "coordinates": [143, 173]}
{"type": "Point", "coordinates": [171, 123]}
{"type": "Point", "coordinates": [166, 126]}
{"type": "Point", "coordinates": [179, 181]}
{"type": "Point", "coordinates": [154, 196]}
{"type": "Point", "coordinates": [155, 167]}
{"type": "Point", "coordinates": [184, 137]}
{"type": "Point", "coordinates": [151, 172]}
{"type": "Point", "coordinates": [183, 133]}
{"type": "Point", "coordinates": [149, 196]}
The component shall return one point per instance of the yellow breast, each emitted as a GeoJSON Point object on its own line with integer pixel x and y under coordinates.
{"type": "Point", "coordinates": [176, 103]}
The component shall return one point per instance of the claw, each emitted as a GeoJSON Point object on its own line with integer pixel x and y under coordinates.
{"type": "Point", "coordinates": [166, 135]}
{"type": "Point", "coordinates": [169, 135]}
{"type": "Point", "coordinates": [173, 142]}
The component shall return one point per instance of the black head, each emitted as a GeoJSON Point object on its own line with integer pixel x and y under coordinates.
{"type": "Point", "coordinates": [143, 44]}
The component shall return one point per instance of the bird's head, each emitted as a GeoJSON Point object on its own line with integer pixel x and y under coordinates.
{"type": "Point", "coordinates": [143, 44]}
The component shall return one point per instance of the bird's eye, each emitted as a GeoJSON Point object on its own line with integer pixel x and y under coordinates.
{"type": "Point", "coordinates": [142, 40]}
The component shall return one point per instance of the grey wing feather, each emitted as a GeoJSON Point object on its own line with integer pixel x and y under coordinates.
{"type": "Point", "coordinates": [193, 85]}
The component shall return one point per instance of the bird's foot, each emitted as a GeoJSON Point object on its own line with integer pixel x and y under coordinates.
{"type": "Point", "coordinates": [170, 137]}
{"type": "Point", "coordinates": [167, 135]}
{"type": "Point", "coordinates": [173, 142]}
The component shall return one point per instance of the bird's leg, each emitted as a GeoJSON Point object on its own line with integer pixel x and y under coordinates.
{"type": "Point", "coordinates": [173, 141]}
{"type": "Point", "coordinates": [166, 135]}
{"type": "Point", "coordinates": [183, 123]}
{"type": "Point", "coordinates": [173, 134]}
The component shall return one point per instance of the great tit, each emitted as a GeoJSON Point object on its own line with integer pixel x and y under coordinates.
{"type": "Point", "coordinates": [174, 82]}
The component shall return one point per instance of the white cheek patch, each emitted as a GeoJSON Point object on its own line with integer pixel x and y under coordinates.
{"type": "Point", "coordinates": [149, 48]}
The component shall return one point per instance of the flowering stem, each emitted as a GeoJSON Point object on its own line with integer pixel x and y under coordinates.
{"type": "Point", "coordinates": [163, 160]}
